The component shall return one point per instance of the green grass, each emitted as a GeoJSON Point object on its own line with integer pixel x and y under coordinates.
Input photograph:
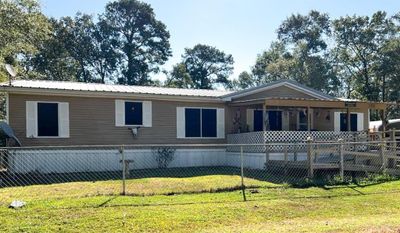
{"type": "Point", "coordinates": [200, 204]}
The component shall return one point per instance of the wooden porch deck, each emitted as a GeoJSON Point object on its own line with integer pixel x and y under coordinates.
{"type": "Point", "coordinates": [371, 161]}
{"type": "Point", "coordinates": [324, 150]}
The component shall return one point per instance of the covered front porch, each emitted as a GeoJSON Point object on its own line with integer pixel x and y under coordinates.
{"type": "Point", "coordinates": [294, 120]}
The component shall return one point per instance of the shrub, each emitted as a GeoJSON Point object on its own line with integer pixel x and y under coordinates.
{"type": "Point", "coordinates": [163, 156]}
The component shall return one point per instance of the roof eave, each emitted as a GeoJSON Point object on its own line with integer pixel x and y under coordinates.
{"type": "Point", "coordinates": [103, 94]}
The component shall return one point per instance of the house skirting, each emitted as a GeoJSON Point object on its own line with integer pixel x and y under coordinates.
{"type": "Point", "coordinates": [70, 161]}
{"type": "Point", "coordinates": [24, 161]}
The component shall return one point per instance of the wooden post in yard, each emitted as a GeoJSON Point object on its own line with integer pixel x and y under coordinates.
{"type": "Point", "coordinates": [393, 139]}
{"type": "Point", "coordinates": [382, 155]}
{"type": "Point", "coordinates": [123, 170]}
{"type": "Point", "coordinates": [266, 155]}
{"type": "Point", "coordinates": [310, 159]}
{"type": "Point", "coordinates": [242, 173]}
{"type": "Point", "coordinates": [341, 156]}
{"type": "Point", "coordinates": [295, 152]}
{"type": "Point", "coordinates": [285, 155]}
{"type": "Point", "coordinates": [393, 148]}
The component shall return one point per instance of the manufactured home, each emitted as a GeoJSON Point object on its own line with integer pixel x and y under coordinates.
{"type": "Point", "coordinates": [60, 125]}
{"type": "Point", "coordinates": [53, 113]}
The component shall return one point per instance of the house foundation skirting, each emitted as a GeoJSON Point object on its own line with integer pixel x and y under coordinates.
{"type": "Point", "coordinates": [70, 161]}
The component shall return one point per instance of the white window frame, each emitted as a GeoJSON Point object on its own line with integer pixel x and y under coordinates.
{"type": "Point", "coordinates": [59, 120]}
{"type": "Point", "coordinates": [201, 115]}
{"type": "Point", "coordinates": [359, 126]}
{"type": "Point", "coordinates": [144, 118]}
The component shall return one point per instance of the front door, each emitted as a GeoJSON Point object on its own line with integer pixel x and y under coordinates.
{"type": "Point", "coordinates": [258, 120]}
{"type": "Point", "coordinates": [275, 120]}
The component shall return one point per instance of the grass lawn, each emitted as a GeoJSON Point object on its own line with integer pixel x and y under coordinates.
{"type": "Point", "coordinates": [196, 207]}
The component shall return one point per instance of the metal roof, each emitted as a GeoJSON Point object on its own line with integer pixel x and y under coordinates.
{"type": "Point", "coordinates": [283, 82]}
{"type": "Point", "coordinates": [96, 87]}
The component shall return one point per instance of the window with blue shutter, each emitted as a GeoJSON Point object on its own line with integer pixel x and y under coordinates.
{"type": "Point", "coordinates": [192, 122]}
{"type": "Point", "coordinates": [209, 122]}
{"type": "Point", "coordinates": [133, 113]}
{"type": "Point", "coordinates": [47, 119]}
{"type": "Point", "coordinates": [201, 123]}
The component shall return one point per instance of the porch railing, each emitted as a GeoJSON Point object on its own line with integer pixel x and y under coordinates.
{"type": "Point", "coordinates": [295, 136]}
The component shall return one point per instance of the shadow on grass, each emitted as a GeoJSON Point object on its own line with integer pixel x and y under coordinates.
{"type": "Point", "coordinates": [295, 178]}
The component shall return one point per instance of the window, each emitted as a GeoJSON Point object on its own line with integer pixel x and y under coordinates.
{"type": "Point", "coordinates": [192, 122]}
{"type": "Point", "coordinates": [197, 122]}
{"type": "Point", "coordinates": [209, 123]}
{"type": "Point", "coordinates": [133, 113]}
{"type": "Point", "coordinates": [353, 122]}
{"type": "Point", "coordinates": [274, 120]}
{"type": "Point", "coordinates": [200, 122]}
{"type": "Point", "coordinates": [47, 118]}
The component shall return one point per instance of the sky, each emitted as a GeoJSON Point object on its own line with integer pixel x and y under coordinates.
{"type": "Point", "coordinates": [243, 28]}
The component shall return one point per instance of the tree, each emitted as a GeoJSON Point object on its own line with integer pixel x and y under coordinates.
{"type": "Point", "coordinates": [143, 40]}
{"type": "Point", "coordinates": [310, 61]}
{"type": "Point", "coordinates": [105, 58]}
{"type": "Point", "coordinates": [306, 29]}
{"type": "Point", "coordinates": [273, 64]}
{"type": "Point", "coordinates": [54, 60]}
{"type": "Point", "coordinates": [205, 65]}
{"type": "Point", "coordinates": [244, 81]}
{"type": "Point", "coordinates": [359, 43]}
{"type": "Point", "coordinates": [77, 38]}
{"type": "Point", "coordinates": [179, 77]}
{"type": "Point", "coordinates": [278, 63]}
{"type": "Point", "coordinates": [78, 50]}
{"type": "Point", "coordinates": [23, 27]}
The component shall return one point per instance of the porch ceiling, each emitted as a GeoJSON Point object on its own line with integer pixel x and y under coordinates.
{"type": "Point", "coordinates": [313, 103]}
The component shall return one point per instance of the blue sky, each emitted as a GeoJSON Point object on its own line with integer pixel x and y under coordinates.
{"type": "Point", "coordinates": [243, 28]}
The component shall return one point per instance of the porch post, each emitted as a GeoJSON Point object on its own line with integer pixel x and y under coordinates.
{"type": "Point", "coordinates": [348, 120]}
{"type": "Point", "coordinates": [383, 118]}
{"type": "Point", "coordinates": [309, 119]}
{"type": "Point", "coordinates": [264, 116]}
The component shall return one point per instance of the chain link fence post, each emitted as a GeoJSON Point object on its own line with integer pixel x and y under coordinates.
{"type": "Point", "coordinates": [122, 152]}
{"type": "Point", "coordinates": [341, 157]}
{"type": "Point", "coordinates": [310, 158]}
{"type": "Point", "coordinates": [382, 154]}
{"type": "Point", "coordinates": [242, 174]}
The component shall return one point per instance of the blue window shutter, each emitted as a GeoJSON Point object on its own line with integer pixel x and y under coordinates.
{"type": "Point", "coordinates": [192, 122]}
{"type": "Point", "coordinates": [209, 123]}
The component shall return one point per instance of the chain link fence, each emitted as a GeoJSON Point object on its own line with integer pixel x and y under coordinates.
{"type": "Point", "coordinates": [94, 175]}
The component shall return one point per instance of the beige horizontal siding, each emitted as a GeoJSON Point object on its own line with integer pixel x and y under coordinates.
{"type": "Point", "coordinates": [281, 91]}
{"type": "Point", "coordinates": [92, 122]}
